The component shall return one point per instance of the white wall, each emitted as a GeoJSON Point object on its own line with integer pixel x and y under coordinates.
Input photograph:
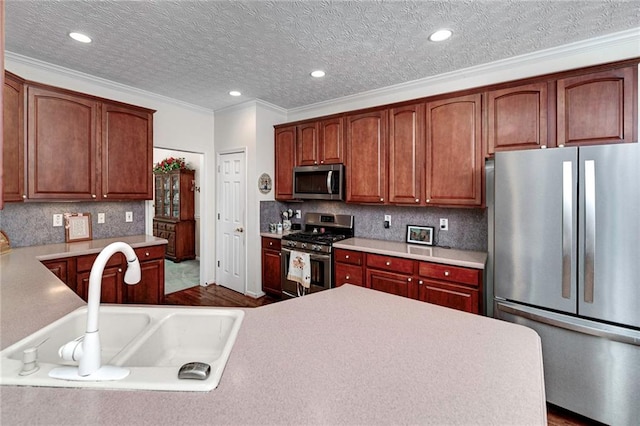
{"type": "Point", "coordinates": [249, 127]}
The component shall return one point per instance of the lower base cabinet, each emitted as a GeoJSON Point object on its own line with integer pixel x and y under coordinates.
{"type": "Point", "coordinates": [271, 269]}
{"type": "Point", "coordinates": [75, 272]}
{"type": "Point", "coordinates": [451, 286]}
{"type": "Point", "coordinates": [181, 236]}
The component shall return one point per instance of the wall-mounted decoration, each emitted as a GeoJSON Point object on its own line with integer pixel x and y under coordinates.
{"type": "Point", "coordinates": [264, 183]}
{"type": "Point", "coordinates": [77, 227]}
{"type": "Point", "coordinates": [420, 234]}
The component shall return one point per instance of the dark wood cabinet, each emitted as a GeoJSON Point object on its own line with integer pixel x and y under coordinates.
{"type": "Point", "coordinates": [77, 147]}
{"type": "Point", "coordinates": [150, 289]}
{"type": "Point", "coordinates": [13, 158]}
{"type": "Point", "coordinates": [127, 152]}
{"type": "Point", "coordinates": [75, 272]}
{"type": "Point", "coordinates": [285, 159]}
{"type": "Point", "coordinates": [174, 213]}
{"type": "Point", "coordinates": [446, 285]}
{"type": "Point", "coordinates": [62, 128]}
{"type": "Point", "coordinates": [271, 267]}
{"type": "Point", "coordinates": [307, 144]}
{"type": "Point", "coordinates": [406, 154]}
{"type": "Point", "coordinates": [454, 164]}
{"type": "Point", "coordinates": [64, 269]}
{"type": "Point", "coordinates": [517, 118]}
{"type": "Point", "coordinates": [366, 146]}
{"type": "Point", "coordinates": [451, 286]}
{"type": "Point", "coordinates": [598, 108]}
{"type": "Point", "coordinates": [348, 268]}
{"type": "Point", "coordinates": [331, 141]}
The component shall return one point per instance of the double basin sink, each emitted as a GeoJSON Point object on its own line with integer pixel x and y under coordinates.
{"type": "Point", "coordinates": [152, 342]}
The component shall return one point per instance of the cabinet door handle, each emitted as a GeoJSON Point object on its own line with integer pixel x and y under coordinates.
{"type": "Point", "coordinates": [347, 277]}
{"type": "Point", "coordinates": [381, 199]}
{"type": "Point", "coordinates": [428, 200]}
{"type": "Point", "coordinates": [104, 196]}
{"type": "Point", "coordinates": [417, 200]}
{"type": "Point", "coordinates": [420, 282]}
{"type": "Point", "coordinates": [93, 195]}
{"type": "Point", "coordinates": [119, 269]}
{"type": "Point", "coordinates": [409, 279]}
{"type": "Point", "coordinates": [24, 196]}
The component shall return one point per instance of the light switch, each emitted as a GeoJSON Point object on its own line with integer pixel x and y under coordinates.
{"type": "Point", "coordinates": [100, 217]}
{"type": "Point", "coordinates": [128, 217]}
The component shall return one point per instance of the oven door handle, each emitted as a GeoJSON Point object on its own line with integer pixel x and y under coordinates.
{"type": "Point", "coordinates": [312, 255]}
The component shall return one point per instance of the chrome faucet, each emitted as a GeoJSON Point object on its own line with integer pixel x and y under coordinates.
{"type": "Point", "coordinates": [86, 349]}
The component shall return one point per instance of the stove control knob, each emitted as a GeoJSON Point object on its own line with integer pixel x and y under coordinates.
{"type": "Point", "coordinates": [316, 247]}
{"type": "Point", "coordinates": [303, 245]}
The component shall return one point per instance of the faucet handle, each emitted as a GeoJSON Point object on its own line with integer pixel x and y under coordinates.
{"type": "Point", "coordinates": [72, 351]}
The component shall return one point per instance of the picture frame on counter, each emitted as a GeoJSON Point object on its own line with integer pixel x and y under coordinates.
{"type": "Point", "coordinates": [420, 234]}
{"type": "Point", "coordinates": [77, 227]}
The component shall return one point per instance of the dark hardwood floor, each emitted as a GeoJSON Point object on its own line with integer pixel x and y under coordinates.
{"type": "Point", "coordinates": [215, 295]}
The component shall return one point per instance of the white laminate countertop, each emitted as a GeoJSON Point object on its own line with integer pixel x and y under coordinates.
{"type": "Point", "coordinates": [348, 355]}
{"type": "Point", "coordinates": [466, 258]}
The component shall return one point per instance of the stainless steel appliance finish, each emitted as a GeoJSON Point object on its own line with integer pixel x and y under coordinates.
{"type": "Point", "coordinates": [323, 182]}
{"type": "Point", "coordinates": [567, 264]}
{"type": "Point", "coordinates": [321, 230]}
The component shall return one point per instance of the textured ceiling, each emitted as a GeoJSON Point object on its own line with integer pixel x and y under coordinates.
{"type": "Point", "coordinates": [196, 51]}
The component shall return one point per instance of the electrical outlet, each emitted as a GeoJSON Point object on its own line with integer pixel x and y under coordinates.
{"type": "Point", "coordinates": [444, 224]}
{"type": "Point", "coordinates": [128, 217]}
{"type": "Point", "coordinates": [298, 214]}
{"type": "Point", "coordinates": [100, 217]}
{"type": "Point", "coordinates": [57, 220]}
{"type": "Point", "coordinates": [387, 220]}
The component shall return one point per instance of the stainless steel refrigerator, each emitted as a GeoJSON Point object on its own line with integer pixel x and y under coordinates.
{"type": "Point", "coordinates": [566, 253]}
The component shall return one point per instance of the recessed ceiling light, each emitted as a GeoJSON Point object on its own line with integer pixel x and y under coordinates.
{"type": "Point", "coordinates": [235, 93]}
{"type": "Point", "coordinates": [80, 37]}
{"type": "Point", "coordinates": [440, 35]}
{"type": "Point", "coordinates": [317, 74]}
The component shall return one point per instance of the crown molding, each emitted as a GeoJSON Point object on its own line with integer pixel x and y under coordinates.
{"type": "Point", "coordinates": [613, 47]}
{"type": "Point", "coordinates": [108, 84]}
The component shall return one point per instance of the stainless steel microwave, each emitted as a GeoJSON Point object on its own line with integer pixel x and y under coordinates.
{"type": "Point", "coordinates": [324, 182]}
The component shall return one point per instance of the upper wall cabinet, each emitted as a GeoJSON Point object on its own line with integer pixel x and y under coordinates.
{"type": "Point", "coordinates": [62, 147]}
{"type": "Point", "coordinates": [454, 165]}
{"type": "Point", "coordinates": [13, 159]}
{"type": "Point", "coordinates": [78, 147]}
{"type": "Point", "coordinates": [366, 144]}
{"type": "Point", "coordinates": [320, 142]}
{"type": "Point", "coordinates": [598, 108]}
{"type": "Point", "coordinates": [406, 154]}
{"type": "Point", "coordinates": [285, 158]}
{"type": "Point", "coordinates": [517, 118]}
{"type": "Point", "coordinates": [127, 152]}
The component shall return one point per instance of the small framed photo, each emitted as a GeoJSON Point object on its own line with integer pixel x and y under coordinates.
{"type": "Point", "coordinates": [77, 227]}
{"type": "Point", "coordinates": [420, 234]}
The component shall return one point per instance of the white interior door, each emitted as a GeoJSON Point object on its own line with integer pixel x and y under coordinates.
{"type": "Point", "coordinates": [230, 268]}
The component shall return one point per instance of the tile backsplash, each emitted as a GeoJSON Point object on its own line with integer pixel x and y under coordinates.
{"type": "Point", "coordinates": [31, 224]}
{"type": "Point", "coordinates": [467, 227]}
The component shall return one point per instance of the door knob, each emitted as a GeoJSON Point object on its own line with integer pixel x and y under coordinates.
{"type": "Point", "coordinates": [239, 230]}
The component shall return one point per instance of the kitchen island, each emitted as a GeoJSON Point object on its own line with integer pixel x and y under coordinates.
{"type": "Point", "coordinates": [344, 356]}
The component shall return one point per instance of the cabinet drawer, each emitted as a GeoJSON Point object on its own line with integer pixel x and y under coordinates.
{"type": "Point", "coordinates": [151, 252]}
{"type": "Point", "coordinates": [159, 225]}
{"type": "Point", "coordinates": [348, 274]}
{"type": "Point", "coordinates": [450, 273]}
{"type": "Point", "coordinates": [271, 243]}
{"type": "Point", "coordinates": [347, 256]}
{"type": "Point", "coordinates": [84, 263]}
{"type": "Point", "coordinates": [387, 263]}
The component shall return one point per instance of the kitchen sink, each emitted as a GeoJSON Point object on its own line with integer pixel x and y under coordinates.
{"type": "Point", "coordinates": [152, 342]}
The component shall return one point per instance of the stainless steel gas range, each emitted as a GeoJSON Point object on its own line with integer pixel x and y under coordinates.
{"type": "Point", "coordinates": [321, 230]}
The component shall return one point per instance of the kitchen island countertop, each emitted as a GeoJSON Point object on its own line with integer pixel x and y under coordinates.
{"type": "Point", "coordinates": [344, 356]}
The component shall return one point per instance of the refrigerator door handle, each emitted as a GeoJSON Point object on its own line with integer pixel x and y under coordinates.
{"type": "Point", "coordinates": [567, 226]}
{"type": "Point", "coordinates": [610, 332]}
{"type": "Point", "coordinates": [590, 229]}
